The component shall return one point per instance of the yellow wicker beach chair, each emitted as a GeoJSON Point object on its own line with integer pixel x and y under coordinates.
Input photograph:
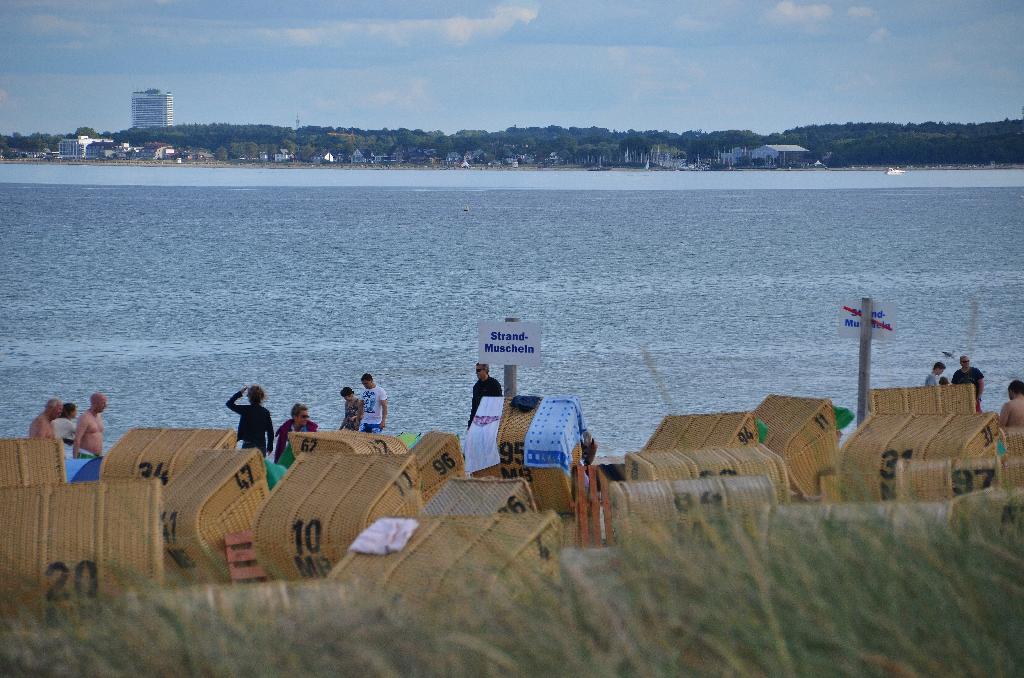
{"type": "Point", "coordinates": [438, 455]}
{"type": "Point", "coordinates": [80, 539]}
{"type": "Point", "coordinates": [324, 502]}
{"type": "Point", "coordinates": [1014, 441]}
{"type": "Point", "coordinates": [31, 461]}
{"type": "Point", "coordinates": [439, 459]}
{"type": "Point", "coordinates": [803, 432]}
{"type": "Point", "coordinates": [684, 502]}
{"type": "Point", "coordinates": [161, 452]}
{"type": "Point", "coordinates": [869, 457]}
{"type": "Point", "coordinates": [949, 399]}
{"type": "Point", "coordinates": [552, 488]}
{"type": "Point", "coordinates": [992, 511]}
{"type": "Point", "coordinates": [488, 472]}
{"type": "Point", "coordinates": [480, 497]}
{"type": "Point", "coordinates": [461, 556]}
{"type": "Point", "coordinates": [219, 493]}
{"type": "Point", "coordinates": [808, 518]}
{"type": "Point", "coordinates": [944, 479]}
{"type": "Point", "coordinates": [688, 464]}
{"type": "Point", "coordinates": [346, 442]}
{"type": "Point", "coordinates": [702, 431]}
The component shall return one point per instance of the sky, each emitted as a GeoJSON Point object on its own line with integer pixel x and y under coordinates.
{"type": "Point", "coordinates": [621, 64]}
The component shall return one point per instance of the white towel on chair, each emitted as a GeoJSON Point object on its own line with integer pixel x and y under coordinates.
{"type": "Point", "coordinates": [386, 535]}
{"type": "Point", "coordinates": [480, 445]}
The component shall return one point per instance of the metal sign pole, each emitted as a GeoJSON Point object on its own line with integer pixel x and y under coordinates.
{"type": "Point", "coordinates": [864, 368]}
{"type": "Point", "coordinates": [510, 372]}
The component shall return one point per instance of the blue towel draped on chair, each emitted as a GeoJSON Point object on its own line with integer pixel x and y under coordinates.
{"type": "Point", "coordinates": [554, 432]}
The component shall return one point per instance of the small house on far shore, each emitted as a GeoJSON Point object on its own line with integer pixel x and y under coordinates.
{"type": "Point", "coordinates": [769, 155]}
{"type": "Point", "coordinates": [780, 155]}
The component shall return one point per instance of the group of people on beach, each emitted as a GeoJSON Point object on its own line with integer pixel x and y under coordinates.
{"type": "Point", "coordinates": [367, 412]}
{"type": "Point", "coordinates": [82, 436]}
{"type": "Point", "coordinates": [1012, 413]}
{"type": "Point", "coordinates": [965, 375]}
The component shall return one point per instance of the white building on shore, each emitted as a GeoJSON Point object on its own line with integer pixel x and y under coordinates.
{"type": "Point", "coordinates": [770, 155]}
{"type": "Point", "coordinates": [152, 108]}
{"type": "Point", "coordinates": [75, 148]}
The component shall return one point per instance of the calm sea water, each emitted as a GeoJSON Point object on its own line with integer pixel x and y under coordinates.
{"type": "Point", "coordinates": [170, 288]}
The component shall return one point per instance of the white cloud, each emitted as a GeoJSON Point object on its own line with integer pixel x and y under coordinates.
{"type": "Point", "coordinates": [655, 73]}
{"type": "Point", "coordinates": [854, 83]}
{"type": "Point", "coordinates": [412, 97]}
{"type": "Point", "coordinates": [689, 23]}
{"type": "Point", "coordinates": [880, 35]}
{"type": "Point", "coordinates": [457, 30]}
{"type": "Point", "coordinates": [460, 29]}
{"type": "Point", "coordinates": [807, 16]}
{"type": "Point", "coordinates": [861, 12]}
{"type": "Point", "coordinates": [3, 96]}
{"type": "Point", "coordinates": [47, 24]}
{"type": "Point", "coordinates": [946, 65]}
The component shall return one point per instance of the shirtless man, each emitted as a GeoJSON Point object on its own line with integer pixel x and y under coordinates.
{"type": "Point", "coordinates": [41, 426]}
{"type": "Point", "coordinates": [89, 434]}
{"type": "Point", "coordinates": [1012, 413]}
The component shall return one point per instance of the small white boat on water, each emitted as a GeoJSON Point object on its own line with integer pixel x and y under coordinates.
{"type": "Point", "coordinates": [895, 171]}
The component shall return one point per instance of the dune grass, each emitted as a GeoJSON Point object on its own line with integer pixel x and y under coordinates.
{"type": "Point", "coordinates": [840, 599]}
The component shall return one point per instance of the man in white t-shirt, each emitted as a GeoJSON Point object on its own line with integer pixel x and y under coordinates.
{"type": "Point", "coordinates": [375, 406]}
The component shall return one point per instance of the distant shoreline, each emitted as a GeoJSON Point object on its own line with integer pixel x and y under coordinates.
{"type": "Point", "coordinates": [215, 164]}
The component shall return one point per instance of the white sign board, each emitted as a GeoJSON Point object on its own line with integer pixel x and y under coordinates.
{"type": "Point", "coordinates": [504, 343]}
{"type": "Point", "coordinates": [883, 320]}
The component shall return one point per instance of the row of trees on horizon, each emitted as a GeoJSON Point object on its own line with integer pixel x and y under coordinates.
{"type": "Point", "coordinates": [836, 145]}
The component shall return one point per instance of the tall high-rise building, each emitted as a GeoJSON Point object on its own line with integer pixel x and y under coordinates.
{"type": "Point", "coordinates": [152, 108]}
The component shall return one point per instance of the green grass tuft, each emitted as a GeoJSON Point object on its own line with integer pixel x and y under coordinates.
{"type": "Point", "coordinates": [854, 599]}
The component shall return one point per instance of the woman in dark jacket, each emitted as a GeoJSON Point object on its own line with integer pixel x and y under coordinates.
{"type": "Point", "coordinates": [254, 426]}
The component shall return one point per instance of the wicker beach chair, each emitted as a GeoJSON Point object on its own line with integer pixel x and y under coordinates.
{"type": "Point", "coordinates": [806, 519]}
{"type": "Point", "coordinates": [869, 457]}
{"type": "Point", "coordinates": [80, 539]}
{"type": "Point", "coordinates": [1014, 441]}
{"type": "Point", "coordinates": [219, 493]}
{"type": "Point", "coordinates": [323, 502]}
{"type": "Point", "coordinates": [31, 461]}
{"type": "Point", "coordinates": [439, 459]}
{"type": "Point", "coordinates": [992, 511]}
{"type": "Point", "coordinates": [803, 432]}
{"type": "Point", "coordinates": [688, 464]}
{"type": "Point", "coordinates": [701, 431]}
{"type": "Point", "coordinates": [161, 452]}
{"type": "Point", "coordinates": [438, 455]}
{"type": "Point", "coordinates": [948, 399]}
{"type": "Point", "coordinates": [488, 472]}
{"type": "Point", "coordinates": [552, 488]}
{"type": "Point", "coordinates": [480, 497]}
{"type": "Point", "coordinates": [944, 479]}
{"type": "Point", "coordinates": [1011, 473]}
{"type": "Point", "coordinates": [461, 556]}
{"type": "Point", "coordinates": [684, 502]}
{"type": "Point", "coordinates": [346, 442]}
